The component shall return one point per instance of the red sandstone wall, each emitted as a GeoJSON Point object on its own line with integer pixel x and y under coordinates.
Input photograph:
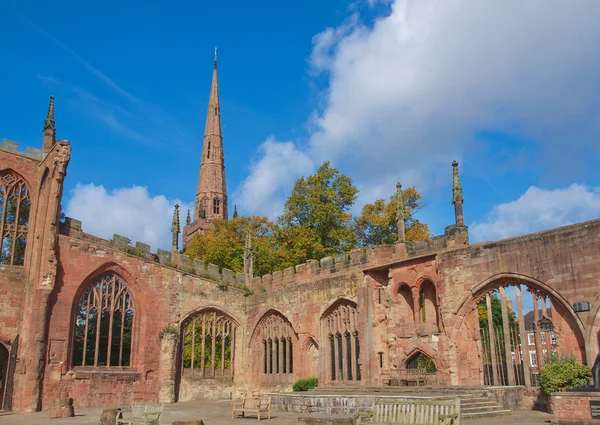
{"type": "Point", "coordinates": [162, 296]}
{"type": "Point", "coordinates": [12, 296]}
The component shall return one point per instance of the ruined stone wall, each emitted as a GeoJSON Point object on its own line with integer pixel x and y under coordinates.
{"type": "Point", "coordinates": [563, 263]}
{"type": "Point", "coordinates": [162, 295]}
{"type": "Point", "coordinates": [12, 297]}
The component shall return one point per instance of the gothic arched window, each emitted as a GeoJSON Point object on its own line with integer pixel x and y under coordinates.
{"type": "Point", "coordinates": [14, 218]}
{"type": "Point", "coordinates": [216, 205]}
{"type": "Point", "coordinates": [104, 323]}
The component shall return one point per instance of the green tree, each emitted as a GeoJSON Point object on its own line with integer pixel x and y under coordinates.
{"type": "Point", "coordinates": [224, 245]}
{"type": "Point", "coordinates": [316, 221]}
{"type": "Point", "coordinates": [377, 223]}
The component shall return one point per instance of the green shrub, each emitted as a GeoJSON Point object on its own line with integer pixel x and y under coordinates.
{"type": "Point", "coordinates": [305, 384]}
{"type": "Point", "coordinates": [563, 374]}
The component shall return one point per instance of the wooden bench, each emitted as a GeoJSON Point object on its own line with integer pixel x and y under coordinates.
{"type": "Point", "coordinates": [413, 412]}
{"type": "Point", "coordinates": [142, 414]}
{"type": "Point", "coordinates": [404, 376]}
{"type": "Point", "coordinates": [256, 406]}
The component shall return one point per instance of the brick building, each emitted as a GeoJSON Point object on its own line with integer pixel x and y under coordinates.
{"type": "Point", "coordinates": [108, 323]}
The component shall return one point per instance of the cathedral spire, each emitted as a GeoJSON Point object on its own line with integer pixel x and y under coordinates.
{"type": "Point", "coordinates": [211, 196]}
{"type": "Point", "coordinates": [457, 195]}
{"type": "Point", "coordinates": [49, 127]}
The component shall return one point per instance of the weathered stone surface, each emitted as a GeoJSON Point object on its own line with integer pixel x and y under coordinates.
{"type": "Point", "coordinates": [109, 416]}
{"type": "Point", "coordinates": [188, 422]}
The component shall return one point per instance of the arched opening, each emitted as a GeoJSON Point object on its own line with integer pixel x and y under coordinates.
{"type": "Point", "coordinates": [208, 345]}
{"type": "Point", "coordinates": [104, 320]}
{"type": "Point", "coordinates": [274, 343]}
{"type": "Point", "coordinates": [340, 327]}
{"type": "Point", "coordinates": [428, 313]}
{"type": "Point", "coordinates": [15, 205]}
{"type": "Point", "coordinates": [4, 357]}
{"type": "Point", "coordinates": [406, 310]}
{"type": "Point", "coordinates": [522, 324]}
{"type": "Point", "coordinates": [420, 360]}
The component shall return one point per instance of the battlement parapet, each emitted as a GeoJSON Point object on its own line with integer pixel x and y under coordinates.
{"type": "Point", "coordinates": [73, 228]}
{"type": "Point", "coordinates": [13, 147]}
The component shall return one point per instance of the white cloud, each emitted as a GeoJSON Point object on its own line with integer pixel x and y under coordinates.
{"type": "Point", "coordinates": [539, 209]}
{"type": "Point", "coordinates": [130, 212]}
{"type": "Point", "coordinates": [406, 95]}
{"type": "Point", "coordinates": [271, 175]}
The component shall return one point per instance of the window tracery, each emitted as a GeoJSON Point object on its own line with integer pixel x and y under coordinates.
{"type": "Point", "coordinates": [15, 205]}
{"type": "Point", "coordinates": [341, 327]}
{"type": "Point", "coordinates": [276, 334]}
{"type": "Point", "coordinates": [104, 324]}
{"type": "Point", "coordinates": [216, 205]}
{"type": "Point", "coordinates": [209, 344]}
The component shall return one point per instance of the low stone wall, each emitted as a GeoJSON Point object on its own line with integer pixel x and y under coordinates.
{"type": "Point", "coordinates": [573, 408]}
{"type": "Point", "coordinates": [207, 388]}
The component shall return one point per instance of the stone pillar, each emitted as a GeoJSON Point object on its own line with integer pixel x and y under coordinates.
{"type": "Point", "coordinates": [167, 362]}
{"type": "Point", "coordinates": [524, 339]}
{"type": "Point", "coordinates": [539, 349]}
{"type": "Point", "coordinates": [507, 352]}
{"type": "Point", "coordinates": [488, 302]}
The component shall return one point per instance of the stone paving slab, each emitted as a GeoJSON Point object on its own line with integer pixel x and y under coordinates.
{"type": "Point", "coordinates": [218, 412]}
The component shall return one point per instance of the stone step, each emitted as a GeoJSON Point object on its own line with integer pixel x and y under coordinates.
{"type": "Point", "coordinates": [478, 404]}
{"type": "Point", "coordinates": [476, 409]}
{"type": "Point", "coordinates": [502, 412]}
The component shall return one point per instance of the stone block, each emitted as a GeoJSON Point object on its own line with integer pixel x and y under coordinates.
{"type": "Point", "coordinates": [164, 256]}
{"type": "Point", "coordinates": [356, 256]}
{"type": "Point", "coordinates": [300, 268]}
{"type": "Point", "coordinates": [184, 260]}
{"type": "Point", "coordinates": [213, 270]}
{"type": "Point", "coordinates": [109, 416]}
{"type": "Point", "coordinates": [289, 271]}
{"type": "Point", "coordinates": [267, 278]}
{"type": "Point", "coordinates": [142, 246]}
{"type": "Point", "coordinates": [326, 263]}
{"type": "Point", "coordinates": [121, 240]}
{"type": "Point", "coordinates": [9, 146]}
{"type": "Point", "coordinates": [277, 275]}
{"type": "Point", "coordinates": [240, 278]}
{"type": "Point", "coordinates": [227, 274]}
{"type": "Point", "coordinates": [61, 412]}
{"type": "Point", "coordinates": [199, 266]}
{"type": "Point", "coordinates": [341, 258]}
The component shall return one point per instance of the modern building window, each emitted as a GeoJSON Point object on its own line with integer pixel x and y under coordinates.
{"type": "Point", "coordinates": [104, 324]}
{"type": "Point", "coordinates": [15, 205]}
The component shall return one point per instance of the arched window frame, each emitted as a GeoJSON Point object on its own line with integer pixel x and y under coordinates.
{"type": "Point", "coordinates": [14, 217]}
{"type": "Point", "coordinates": [110, 293]}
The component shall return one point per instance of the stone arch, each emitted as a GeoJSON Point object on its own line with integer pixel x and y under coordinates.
{"type": "Point", "coordinates": [404, 312]}
{"type": "Point", "coordinates": [16, 200]}
{"type": "Point", "coordinates": [592, 330]}
{"type": "Point", "coordinates": [411, 360]}
{"type": "Point", "coordinates": [340, 337]}
{"type": "Point", "coordinates": [276, 344]}
{"type": "Point", "coordinates": [497, 361]}
{"type": "Point", "coordinates": [208, 341]}
{"type": "Point", "coordinates": [104, 309]}
{"type": "Point", "coordinates": [310, 357]}
{"type": "Point", "coordinates": [422, 349]}
{"type": "Point", "coordinates": [428, 308]}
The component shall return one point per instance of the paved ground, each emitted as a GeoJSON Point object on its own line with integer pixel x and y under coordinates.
{"type": "Point", "coordinates": [219, 413]}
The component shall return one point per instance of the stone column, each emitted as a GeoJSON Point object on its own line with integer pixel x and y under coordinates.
{"type": "Point", "coordinates": [539, 349]}
{"type": "Point", "coordinates": [524, 340]}
{"type": "Point", "coordinates": [488, 302]}
{"type": "Point", "coordinates": [167, 362]}
{"type": "Point", "coordinates": [509, 363]}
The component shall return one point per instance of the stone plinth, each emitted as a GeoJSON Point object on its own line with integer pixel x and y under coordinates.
{"type": "Point", "coordinates": [109, 416]}
{"type": "Point", "coordinates": [573, 408]}
{"type": "Point", "coordinates": [61, 408]}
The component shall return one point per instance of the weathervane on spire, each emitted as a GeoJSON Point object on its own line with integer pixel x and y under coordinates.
{"type": "Point", "coordinates": [216, 50]}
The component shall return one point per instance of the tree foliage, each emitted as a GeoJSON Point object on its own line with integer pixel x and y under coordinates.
{"type": "Point", "coordinates": [377, 223]}
{"type": "Point", "coordinates": [316, 223]}
{"type": "Point", "coordinates": [564, 374]}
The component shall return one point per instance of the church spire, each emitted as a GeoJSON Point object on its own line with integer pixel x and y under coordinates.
{"type": "Point", "coordinates": [457, 195]}
{"type": "Point", "coordinates": [211, 195]}
{"type": "Point", "coordinates": [49, 129]}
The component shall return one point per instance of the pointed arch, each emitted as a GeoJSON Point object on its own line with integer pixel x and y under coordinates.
{"type": "Point", "coordinates": [103, 320]}
{"type": "Point", "coordinates": [15, 209]}
{"type": "Point", "coordinates": [421, 349]}
{"type": "Point", "coordinates": [274, 342]}
{"type": "Point", "coordinates": [340, 336]}
{"type": "Point", "coordinates": [208, 344]}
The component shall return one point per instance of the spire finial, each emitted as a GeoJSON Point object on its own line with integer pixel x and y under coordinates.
{"type": "Point", "coordinates": [235, 213]}
{"type": "Point", "coordinates": [248, 257]}
{"type": "Point", "coordinates": [175, 229]}
{"type": "Point", "coordinates": [49, 128]}
{"type": "Point", "coordinates": [216, 50]}
{"type": "Point", "coordinates": [188, 220]}
{"type": "Point", "coordinates": [401, 237]}
{"type": "Point", "coordinates": [457, 195]}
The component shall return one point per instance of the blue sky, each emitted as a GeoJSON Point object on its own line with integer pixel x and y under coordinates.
{"type": "Point", "coordinates": [387, 90]}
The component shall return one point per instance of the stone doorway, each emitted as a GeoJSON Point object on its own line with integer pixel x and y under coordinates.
{"type": "Point", "coordinates": [8, 362]}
